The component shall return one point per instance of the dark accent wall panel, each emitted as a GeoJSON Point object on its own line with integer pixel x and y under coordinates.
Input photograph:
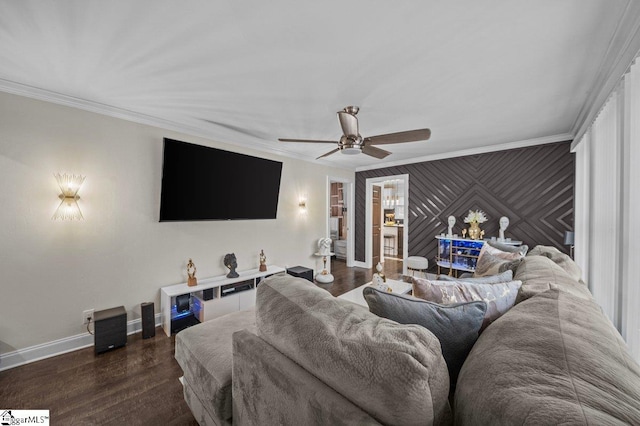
{"type": "Point", "coordinates": [533, 187]}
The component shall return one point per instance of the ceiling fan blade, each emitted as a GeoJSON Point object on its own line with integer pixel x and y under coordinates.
{"type": "Point", "coordinates": [328, 153]}
{"type": "Point", "coordinates": [400, 137]}
{"type": "Point", "coordinates": [305, 140]}
{"type": "Point", "coordinates": [349, 124]}
{"type": "Point", "coordinates": [375, 152]}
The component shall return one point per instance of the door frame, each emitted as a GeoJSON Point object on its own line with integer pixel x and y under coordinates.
{"type": "Point", "coordinates": [348, 194]}
{"type": "Point", "coordinates": [369, 222]}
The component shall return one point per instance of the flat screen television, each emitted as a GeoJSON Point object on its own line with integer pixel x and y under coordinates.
{"type": "Point", "coordinates": [204, 183]}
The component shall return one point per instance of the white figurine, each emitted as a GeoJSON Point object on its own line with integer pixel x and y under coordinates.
{"type": "Point", "coordinates": [452, 221]}
{"type": "Point", "coordinates": [379, 281]}
{"type": "Point", "coordinates": [324, 246]}
{"type": "Point", "coordinates": [504, 222]}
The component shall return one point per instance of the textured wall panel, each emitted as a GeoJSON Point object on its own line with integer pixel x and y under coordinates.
{"type": "Point", "coordinates": [532, 186]}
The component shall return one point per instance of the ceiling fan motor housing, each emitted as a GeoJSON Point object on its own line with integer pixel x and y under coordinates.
{"type": "Point", "coordinates": [350, 145]}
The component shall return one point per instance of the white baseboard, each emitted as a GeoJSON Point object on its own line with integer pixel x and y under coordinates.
{"type": "Point", "coordinates": [61, 346]}
{"type": "Point", "coordinates": [359, 264]}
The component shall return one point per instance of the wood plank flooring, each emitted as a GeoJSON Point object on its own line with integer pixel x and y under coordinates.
{"type": "Point", "coordinates": [135, 385]}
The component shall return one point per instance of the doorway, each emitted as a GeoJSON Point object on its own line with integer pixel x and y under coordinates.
{"type": "Point", "coordinates": [391, 242]}
{"type": "Point", "coordinates": [340, 219]}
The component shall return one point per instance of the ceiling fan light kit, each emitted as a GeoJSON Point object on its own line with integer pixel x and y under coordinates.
{"type": "Point", "coordinates": [352, 142]}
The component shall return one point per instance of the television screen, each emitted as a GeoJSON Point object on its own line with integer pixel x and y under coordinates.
{"type": "Point", "coordinates": [203, 183]}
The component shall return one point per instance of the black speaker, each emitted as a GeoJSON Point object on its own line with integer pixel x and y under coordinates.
{"type": "Point", "coordinates": [182, 303]}
{"type": "Point", "coordinates": [207, 294]}
{"type": "Point", "coordinates": [148, 320]}
{"type": "Point", "coordinates": [110, 329]}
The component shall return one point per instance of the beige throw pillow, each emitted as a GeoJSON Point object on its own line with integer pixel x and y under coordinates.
{"type": "Point", "coordinates": [499, 297]}
{"type": "Point", "coordinates": [496, 258]}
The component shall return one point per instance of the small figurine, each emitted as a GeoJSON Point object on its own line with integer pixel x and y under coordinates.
{"type": "Point", "coordinates": [464, 232]}
{"type": "Point", "coordinates": [191, 273]}
{"type": "Point", "coordinates": [452, 221]}
{"type": "Point", "coordinates": [231, 263]}
{"type": "Point", "coordinates": [324, 246]}
{"type": "Point", "coordinates": [263, 261]}
{"type": "Point", "coordinates": [379, 281]}
{"type": "Point", "coordinates": [504, 222]}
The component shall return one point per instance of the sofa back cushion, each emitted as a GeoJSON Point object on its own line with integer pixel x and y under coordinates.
{"type": "Point", "coordinates": [539, 274]}
{"type": "Point", "coordinates": [561, 259]}
{"type": "Point", "coordinates": [394, 372]}
{"type": "Point", "coordinates": [552, 359]}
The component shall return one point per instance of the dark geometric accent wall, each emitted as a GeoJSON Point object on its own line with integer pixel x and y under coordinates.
{"type": "Point", "coordinates": [532, 186]}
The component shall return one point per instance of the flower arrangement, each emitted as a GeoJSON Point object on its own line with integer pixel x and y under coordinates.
{"type": "Point", "coordinates": [475, 216]}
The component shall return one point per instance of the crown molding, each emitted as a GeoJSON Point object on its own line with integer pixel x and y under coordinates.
{"type": "Point", "coordinates": [621, 52]}
{"type": "Point", "coordinates": [563, 137]}
{"type": "Point", "coordinates": [136, 117]}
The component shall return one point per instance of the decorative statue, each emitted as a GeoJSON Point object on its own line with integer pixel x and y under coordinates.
{"type": "Point", "coordinates": [379, 281]}
{"type": "Point", "coordinates": [231, 263]}
{"type": "Point", "coordinates": [452, 221]}
{"type": "Point", "coordinates": [324, 246]}
{"type": "Point", "coordinates": [504, 222]}
{"type": "Point", "coordinates": [263, 261]}
{"type": "Point", "coordinates": [191, 273]}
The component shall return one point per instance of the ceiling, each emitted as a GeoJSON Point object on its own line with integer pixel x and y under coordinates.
{"type": "Point", "coordinates": [482, 75]}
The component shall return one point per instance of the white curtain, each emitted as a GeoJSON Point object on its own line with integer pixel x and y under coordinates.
{"type": "Point", "coordinates": [607, 207]}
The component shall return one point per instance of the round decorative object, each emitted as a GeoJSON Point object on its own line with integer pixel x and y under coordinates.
{"type": "Point", "coordinates": [323, 278]}
{"type": "Point", "coordinates": [474, 230]}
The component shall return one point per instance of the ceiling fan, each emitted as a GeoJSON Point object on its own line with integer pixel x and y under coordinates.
{"type": "Point", "coordinates": [352, 142]}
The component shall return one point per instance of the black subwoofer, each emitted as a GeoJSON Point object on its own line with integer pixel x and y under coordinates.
{"type": "Point", "coordinates": [110, 329]}
{"type": "Point", "coordinates": [148, 320]}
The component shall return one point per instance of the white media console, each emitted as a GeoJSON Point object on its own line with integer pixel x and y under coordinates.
{"type": "Point", "coordinates": [225, 295]}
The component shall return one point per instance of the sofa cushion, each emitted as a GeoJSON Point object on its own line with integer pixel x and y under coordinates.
{"type": "Point", "coordinates": [204, 353]}
{"type": "Point", "coordinates": [499, 297]}
{"type": "Point", "coordinates": [561, 259]}
{"type": "Point", "coordinates": [552, 359]}
{"type": "Point", "coordinates": [502, 277]}
{"type": "Point", "coordinates": [495, 258]}
{"type": "Point", "coordinates": [539, 274]}
{"type": "Point", "coordinates": [367, 359]}
{"type": "Point", "coordinates": [456, 326]}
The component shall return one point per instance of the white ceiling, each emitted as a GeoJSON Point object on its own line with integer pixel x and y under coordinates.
{"type": "Point", "coordinates": [480, 74]}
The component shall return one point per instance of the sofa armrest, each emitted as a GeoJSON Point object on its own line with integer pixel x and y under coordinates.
{"type": "Point", "coordinates": [269, 388]}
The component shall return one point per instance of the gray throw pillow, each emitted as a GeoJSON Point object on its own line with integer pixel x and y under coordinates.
{"type": "Point", "coordinates": [456, 326]}
{"type": "Point", "coordinates": [502, 277]}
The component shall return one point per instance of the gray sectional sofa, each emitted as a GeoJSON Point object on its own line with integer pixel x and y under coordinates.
{"type": "Point", "coordinates": [305, 357]}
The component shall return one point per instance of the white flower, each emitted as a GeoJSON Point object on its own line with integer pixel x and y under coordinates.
{"type": "Point", "coordinates": [477, 216]}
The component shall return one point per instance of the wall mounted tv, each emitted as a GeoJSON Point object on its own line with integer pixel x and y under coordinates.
{"type": "Point", "coordinates": [203, 183]}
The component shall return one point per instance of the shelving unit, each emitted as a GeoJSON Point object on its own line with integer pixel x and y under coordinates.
{"type": "Point", "coordinates": [458, 254]}
{"type": "Point", "coordinates": [228, 295]}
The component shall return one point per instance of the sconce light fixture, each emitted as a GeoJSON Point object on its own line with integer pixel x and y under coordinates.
{"type": "Point", "coordinates": [303, 205]}
{"type": "Point", "coordinates": [68, 208]}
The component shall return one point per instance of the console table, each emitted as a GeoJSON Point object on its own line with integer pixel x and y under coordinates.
{"type": "Point", "coordinates": [461, 254]}
{"type": "Point", "coordinates": [213, 297]}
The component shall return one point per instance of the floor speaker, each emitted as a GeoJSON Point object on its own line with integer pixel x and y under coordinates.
{"type": "Point", "coordinates": [148, 320]}
{"type": "Point", "coordinates": [110, 329]}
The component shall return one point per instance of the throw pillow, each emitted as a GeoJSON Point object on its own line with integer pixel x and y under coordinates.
{"type": "Point", "coordinates": [495, 258]}
{"type": "Point", "coordinates": [499, 297]}
{"type": "Point", "coordinates": [456, 326]}
{"type": "Point", "coordinates": [502, 277]}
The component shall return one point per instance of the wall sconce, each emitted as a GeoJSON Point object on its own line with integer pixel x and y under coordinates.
{"type": "Point", "coordinates": [68, 208]}
{"type": "Point", "coordinates": [302, 204]}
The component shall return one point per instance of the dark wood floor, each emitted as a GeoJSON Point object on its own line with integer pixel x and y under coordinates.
{"type": "Point", "coordinates": [137, 384]}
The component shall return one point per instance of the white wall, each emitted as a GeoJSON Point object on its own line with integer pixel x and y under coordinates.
{"type": "Point", "coordinates": [50, 271]}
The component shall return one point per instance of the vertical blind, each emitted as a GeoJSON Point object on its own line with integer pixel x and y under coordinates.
{"type": "Point", "coordinates": [607, 207]}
